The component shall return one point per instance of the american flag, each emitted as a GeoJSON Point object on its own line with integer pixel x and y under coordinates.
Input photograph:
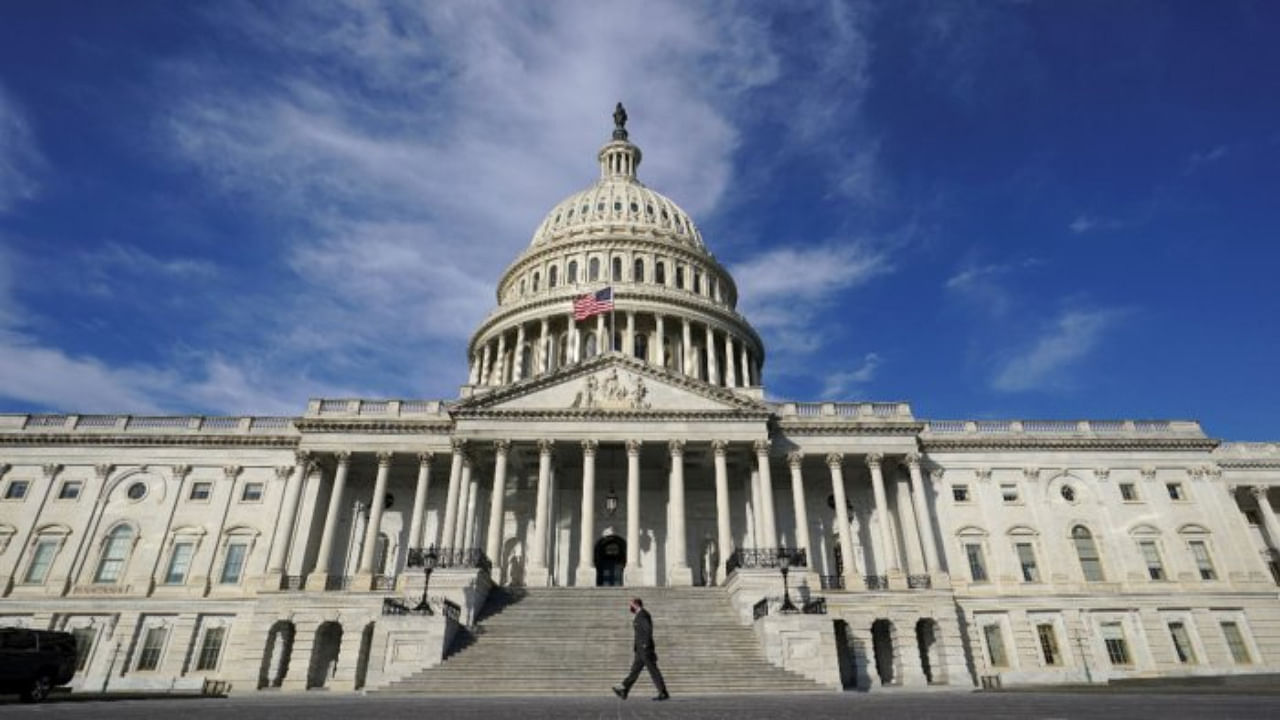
{"type": "Point", "coordinates": [585, 306]}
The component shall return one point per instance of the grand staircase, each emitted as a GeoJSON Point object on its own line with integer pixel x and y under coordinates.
{"type": "Point", "coordinates": [577, 641]}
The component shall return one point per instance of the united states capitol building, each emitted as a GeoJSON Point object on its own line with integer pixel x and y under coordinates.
{"type": "Point", "coordinates": [410, 545]}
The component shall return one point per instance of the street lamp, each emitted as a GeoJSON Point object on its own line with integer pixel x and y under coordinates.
{"type": "Point", "coordinates": [784, 564]}
{"type": "Point", "coordinates": [428, 564]}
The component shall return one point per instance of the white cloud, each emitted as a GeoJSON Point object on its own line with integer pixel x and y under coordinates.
{"type": "Point", "coordinates": [1088, 223]}
{"type": "Point", "coordinates": [837, 385]}
{"type": "Point", "coordinates": [982, 284]}
{"type": "Point", "coordinates": [1198, 160]}
{"type": "Point", "coordinates": [1043, 364]}
{"type": "Point", "coordinates": [785, 288]}
{"type": "Point", "coordinates": [20, 161]}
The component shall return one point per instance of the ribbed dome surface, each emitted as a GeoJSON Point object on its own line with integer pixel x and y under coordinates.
{"type": "Point", "coordinates": [618, 203]}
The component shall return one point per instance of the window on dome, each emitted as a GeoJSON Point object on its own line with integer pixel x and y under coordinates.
{"type": "Point", "coordinates": [526, 362]}
{"type": "Point", "coordinates": [600, 206]}
{"type": "Point", "coordinates": [593, 269]}
{"type": "Point", "coordinates": [660, 273]}
{"type": "Point", "coordinates": [571, 276]}
{"type": "Point", "coordinates": [536, 278]}
{"type": "Point", "coordinates": [697, 282]}
{"type": "Point", "coordinates": [635, 207]}
{"type": "Point", "coordinates": [617, 206]}
{"type": "Point", "coordinates": [589, 351]}
{"type": "Point", "coordinates": [642, 347]}
{"type": "Point", "coordinates": [637, 272]}
{"type": "Point", "coordinates": [648, 209]}
{"type": "Point", "coordinates": [617, 269]}
{"type": "Point", "coordinates": [521, 286]}
{"type": "Point", "coordinates": [665, 216]}
{"type": "Point", "coordinates": [552, 277]}
{"type": "Point", "coordinates": [585, 208]}
{"type": "Point", "coordinates": [570, 212]}
{"type": "Point", "coordinates": [680, 277]}
{"type": "Point", "coordinates": [557, 217]}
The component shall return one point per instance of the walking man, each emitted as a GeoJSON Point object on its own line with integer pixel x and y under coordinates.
{"type": "Point", "coordinates": [646, 654]}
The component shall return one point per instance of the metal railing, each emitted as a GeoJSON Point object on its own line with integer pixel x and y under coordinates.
{"type": "Point", "coordinates": [337, 582]}
{"type": "Point", "coordinates": [384, 582]}
{"type": "Point", "coordinates": [760, 609]}
{"type": "Point", "coordinates": [751, 558]}
{"type": "Point", "coordinates": [814, 606]}
{"type": "Point", "coordinates": [396, 606]}
{"type": "Point", "coordinates": [449, 558]}
{"type": "Point", "coordinates": [291, 582]}
{"type": "Point", "coordinates": [831, 582]}
{"type": "Point", "coordinates": [919, 582]}
{"type": "Point", "coordinates": [876, 582]}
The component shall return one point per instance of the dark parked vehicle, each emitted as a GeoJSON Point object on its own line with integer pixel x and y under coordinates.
{"type": "Point", "coordinates": [32, 662]}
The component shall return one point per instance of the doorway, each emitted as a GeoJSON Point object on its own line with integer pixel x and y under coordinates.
{"type": "Point", "coordinates": [611, 560]}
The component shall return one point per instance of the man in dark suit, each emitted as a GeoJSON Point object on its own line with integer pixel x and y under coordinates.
{"type": "Point", "coordinates": [646, 655]}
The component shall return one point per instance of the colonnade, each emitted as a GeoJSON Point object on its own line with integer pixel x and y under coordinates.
{"type": "Point", "coordinates": [1267, 516]}
{"type": "Point", "coordinates": [695, 348]}
{"type": "Point", "coordinates": [460, 516]}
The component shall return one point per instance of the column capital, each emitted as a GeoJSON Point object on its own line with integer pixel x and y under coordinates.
{"type": "Point", "coordinates": [425, 457]}
{"type": "Point", "coordinates": [51, 469]}
{"type": "Point", "coordinates": [232, 471]}
{"type": "Point", "coordinates": [502, 447]}
{"type": "Point", "coordinates": [936, 475]}
{"type": "Point", "coordinates": [102, 470]}
{"type": "Point", "coordinates": [1102, 473]}
{"type": "Point", "coordinates": [459, 445]}
{"type": "Point", "coordinates": [1031, 473]}
{"type": "Point", "coordinates": [589, 446]}
{"type": "Point", "coordinates": [835, 460]}
{"type": "Point", "coordinates": [912, 460]}
{"type": "Point", "coordinates": [343, 457]}
{"type": "Point", "coordinates": [1213, 472]}
{"type": "Point", "coordinates": [874, 459]}
{"type": "Point", "coordinates": [720, 447]}
{"type": "Point", "coordinates": [1259, 492]}
{"type": "Point", "coordinates": [180, 472]}
{"type": "Point", "coordinates": [633, 447]}
{"type": "Point", "coordinates": [384, 459]}
{"type": "Point", "coordinates": [303, 458]}
{"type": "Point", "coordinates": [983, 474]}
{"type": "Point", "coordinates": [676, 447]}
{"type": "Point", "coordinates": [1195, 473]}
{"type": "Point", "coordinates": [794, 458]}
{"type": "Point", "coordinates": [283, 472]}
{"type": "Point", "coordinates": [546, 446]}
{"type": "Point", "coordinates": [762, 446]}
{"type": "Point", "coordinates": [1148, 472]}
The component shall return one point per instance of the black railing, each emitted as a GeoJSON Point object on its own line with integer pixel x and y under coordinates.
{"type": "Point", "coordinates": [831, 582]}
{"type": "Point", "coordinates": [384, 582]}
{"type": "Point", "coordinates": [814, 606]}
{"type": "Point", "coordinates": [876, 582]}
{"type": "Point", "coordinates": [291, 582]}
{"type": "Point", "coordinates": [764, 558]}
{"type": "Point", "coordinates": [449, 558]}
{"type": "Point", "coordinates": [919, 582]}
{"type": "Point", "coordinates": [337, 582]}
{"type": "Point", "coordinates": [451, 610]}
{"type": "Point", "coordinates": [760, 609]}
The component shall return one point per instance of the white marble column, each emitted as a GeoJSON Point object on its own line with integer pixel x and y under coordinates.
{"type": "Point", "coordinates": [661, 349]}
{"type": "Point", "coordinates": [746, 367]}
{"type": "Point", "coordinates": [474, 377]}
{"type": "Point", "coordinates": [795, 460]}
{"type": "Point", "coordinates": [679, 573]}
{"type": "Point", "coordinates": [420, 499]}
{"type": "Point", "coordinates": [891, 565]}
{"type": "Point", "coordinates": [757, 517]}
{"type": "Point", "coordinates": [575, 341]}
{"type": "Point", "coordinates": [500, 362]}
{"type": "Point", "coordinates": [730, 379]}
{"type": "Point", "coordinates": [517, 363]}
{"type": "Point", "coordinates": [769, 518]}
{"type": "Point", "coordinates": [447, 529]}
{"type": "Point", "coordinates": [484, 365]}
{"type": "Point", "coordinates": [629, 341]}
{"type": "Point", "coordinates": [1269, 520]}
{"type": "Point", "coordinates": [536, 574]}
{"type": "Point", "coordinates": [631, 574]}
{"type": "Point", "coordinates": [713, 371]}
{"type": "Point", "coordinates": [602, 343]}
{"type": "Point", "coordinates": [924, 522]}
{"type": "Point", "coordinates": [724, 532]}
{"type": "Point", "coordinates": [466, 504]}
{"type": "Point", "coordinates": [493, 539]}
{"type": "Point", "coordinates": [586, 576]}
{"type": "Point", "coordinates": [543, 348]}
{"type": "Point", "coordinates": [324, 557]}
{"type": "Point", "coordinates": [376, 505]}
{"type": "Point", "coordinates": [293, 490]}
{"type": "Point", "coordinates": [835, 462]}
{"type": "Point", "coordinates": [907, 525]}
{"type": "Point", "coordinates": [686, 348]}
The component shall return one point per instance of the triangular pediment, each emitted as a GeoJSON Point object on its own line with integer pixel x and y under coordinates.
{"type": "Point", "coordinates": [611, 383]}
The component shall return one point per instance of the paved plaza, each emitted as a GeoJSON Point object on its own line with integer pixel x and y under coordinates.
{"type": "Point", "coordinates": [1022, 706]}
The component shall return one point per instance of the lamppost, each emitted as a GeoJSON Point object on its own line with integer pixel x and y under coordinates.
{"type": "Point", "coordinates": [428, 564]}
{"type": "Point", "coordinates": [784, 564]}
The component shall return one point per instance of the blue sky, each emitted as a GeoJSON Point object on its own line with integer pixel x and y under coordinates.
{"type": "Point", "coordinates": [989, 209]}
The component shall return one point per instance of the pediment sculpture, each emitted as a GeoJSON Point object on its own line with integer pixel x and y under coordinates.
{"type": "Point", "coordinates": [611, 394]}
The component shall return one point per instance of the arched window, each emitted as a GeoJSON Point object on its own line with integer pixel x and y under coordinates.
{"type": "Point", "coordinates": [1087, 551]}
{"type": "Point", "coordinates": [589, 351]}
{"type": "Point", "coordinates": [553, 278]}
{"type": "Point", "coordinates": [115, 551]}
{"type": "Point", "coordinates": [637, 271]}
{"type": "Point", "coordinates": [617, 269]}
{"type": "Point", "coordinates": [593, 269]}
{"type": "Point", "coordinates": [679, 277]}
{"type": "Point", "coordinates": [642, 347]}
{"type": "Point", "coordinates": [536, 278]}
{"type": "Point", "coordinates": [571, 276]}
{"type": "Point", "coordinates": [660, 273]}
{"type": "Point", "coordinates": [697, 282]}
{"type": "Point", "coordinates": [526, 362]}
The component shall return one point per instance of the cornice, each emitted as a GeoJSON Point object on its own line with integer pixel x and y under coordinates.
{"type": "Point", "coordinates": [800, 428]}
{"type": "Point", "coordinates": [1109, 444]}
{"type": "Point", "coordinates": [375, 426]}
{"type": "Point", "coordinates": [1249, 464]}
{"type": "Point", "coordinates": [727, 415]}
{"type": "Point", "coordinates": [148, 440]}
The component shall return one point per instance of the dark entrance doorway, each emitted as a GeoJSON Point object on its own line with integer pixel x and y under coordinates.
{"type": "Point", "coordinates": [611, 558]}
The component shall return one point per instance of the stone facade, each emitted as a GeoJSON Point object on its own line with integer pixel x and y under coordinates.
{"type": "Point", "coordinates": [635, 447]}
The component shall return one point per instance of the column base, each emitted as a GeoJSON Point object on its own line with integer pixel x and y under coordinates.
{"type": "Point", "coordinates": [361, 582]}
{"type": "Point", "coordinates": [271, 582]}
{"type": "Point", "coordinates": [585, 577]}
{"type": "Point", "coordinates": [897, 581]}
{"type": "Point", "coordinates": [680, 577]}
{"type": "Point", "coordinates": [633, 576]}
{"type": "Point", "coordinates": [316, 582]}
{"type": "Point", "coordinates": [537, 577]}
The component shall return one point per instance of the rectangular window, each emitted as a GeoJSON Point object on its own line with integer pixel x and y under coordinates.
{"type": "Point", "coordinates": [1009, 492]}
{"type": "Point", "coordinates": [1128, 492]}
{"type": "Point", "coordinates": [252, 492]}
{"type": "Point", "coordinates": [1175, 491]}
{"type": "Point", "coordinates": [17, 489]}
{"type": "Point", "coordinates": [234, 564]}
{"type": "Point", "coordinates": [152, 647]}
{"type": "Point", "coordinates": [1182, 643]}
{"type": "Point", "coordinates": [1151, 554]}
{"type": "Point", "coordinates": [1235, 642]}
{"type": "Point", "coordinates": [84, 645]}
{"type": "Point", "coordinates": [995, 645]}
{"type": "Point", "coordinates": [1048, 643]}
{"type": "Point", "coordinates": [977, 566]}
{"type": "Point", "coordinates": [41, 559]}
{"type": "Point", "coordinates": [1027, 559]}
{"type": "Point", "coordinates": [1203, 561]}
{"type": "Point", "coordinates": [200, 491]}
{"type": "Point", "coordinates": [1117, 646]}
{"type": "Point", "coordinates": [211, 648]}
{"type": "Point", "coordinates": [179, 563]}
{"type": "Point", "coordinates": [70, 489]}
{"type": "Point", "coordinates": [960, 493]}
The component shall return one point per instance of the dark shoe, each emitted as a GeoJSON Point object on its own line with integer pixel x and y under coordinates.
{"type": "Point", "coordinates": [661, 697]}
{"type": "Point", "coordinates": [620, 691]}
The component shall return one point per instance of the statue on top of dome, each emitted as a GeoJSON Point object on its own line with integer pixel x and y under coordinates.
{"type": "Point", "coordinates": [619, 122]}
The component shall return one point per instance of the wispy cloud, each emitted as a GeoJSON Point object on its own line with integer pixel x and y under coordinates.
{"type": "Point", "coordinates": [838, 385]}
{"type": "Point", "coordinates": [984, 285]}
{"type": "Point", "coordinates": [20, 160]}
{"type": "Point", "coordinates": [1199, 159]}
{"type": "Point", "coordinates": [1085, 223]}
{"type": "Point", "coordinates": [1045, 362]}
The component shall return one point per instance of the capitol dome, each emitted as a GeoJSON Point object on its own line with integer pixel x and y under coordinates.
{"type": "Point", "coordinates": [675, 305]}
